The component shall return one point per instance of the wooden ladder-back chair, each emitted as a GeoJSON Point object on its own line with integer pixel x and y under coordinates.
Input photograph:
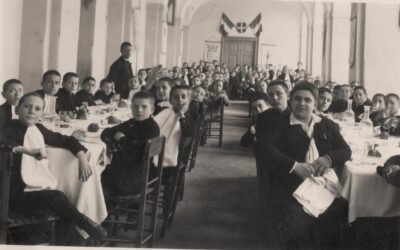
{"type": "Point", "coordinates": [216, 122]}
{"type": "Point", "coordinates": [131, 212]}
{"type": "Point", "coordinates": [10, 220]}
{"type": "Point", "coordinates": [174, 189]}
{"type": "Point", "coordinates": [197, 137]}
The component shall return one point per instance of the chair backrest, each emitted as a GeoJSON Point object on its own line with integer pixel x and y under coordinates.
{"type": "Point", "coordinates": [6, 162]}
{"type": "Point", "coordinates": [153, 147]}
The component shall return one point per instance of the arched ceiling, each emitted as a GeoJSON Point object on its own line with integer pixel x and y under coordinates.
{"type": "Point", "coordinates": [185, 9]}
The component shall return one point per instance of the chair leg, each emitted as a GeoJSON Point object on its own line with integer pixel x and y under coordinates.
{"type": "Point", "coordinates": [221, 129]}
{"type": "Point", "coordinates": [52, 233]}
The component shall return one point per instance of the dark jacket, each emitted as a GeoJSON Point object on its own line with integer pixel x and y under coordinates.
{"type": "Point", "coordinates": [359, 109]}
{"type": "Point", "coordinates": [13, 134]}
{"type": "Point", "coordinates": [338, 106]}
{"type": "Point", "coordinates": [5, 114]}
{"type": "Point", "coordinates": [124, 175]}
{"type": "Point", "coordinates": [120, 73]}
{"type": "Point", "coordinates": [66, 101]}
{"type": "Point", "coordinates": [100, 95]}
{"type": "Point", "coordinates": [83, 96]}
{"type": "Point", "coordinates": [283, 76]}
{"type": "Point", "coordinates": [284, 144]}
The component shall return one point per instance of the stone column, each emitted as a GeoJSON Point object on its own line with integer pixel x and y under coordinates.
{"type": "Point", "coordinates": [340, 43]}
{"type": "Point", "coordinates": [317, 44]}
{"type": "Point", "coordinates": [327, 48]}
{"type": "Point", "coordinates": [156, 33]}
{"type": "Point", "coordinates": [356, 72]}
{"type": "Point", "coordinates": [86, 37]}
{"type": "Point", "coordinates": [32, 52]}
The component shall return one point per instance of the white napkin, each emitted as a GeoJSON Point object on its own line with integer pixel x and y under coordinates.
{"type": "Point", "coordinates": [35, 174]}
{"type": "Point", "coordinates": [168, 121]}
{"type": "Point", "coordinates": [316, 194]}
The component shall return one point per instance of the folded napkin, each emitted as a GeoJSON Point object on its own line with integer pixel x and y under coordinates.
{"type": "Point", "coordinates": [35, 174]}
{"type": "Point", "coordinates": [170, 127]}
{"type": "Point", "coordinates": [316, 194]}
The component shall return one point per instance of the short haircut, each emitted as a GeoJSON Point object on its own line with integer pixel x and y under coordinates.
{"type": "Point", "coordinates": [88, 78]}
{"type": "Point", "coordinates": [144, 94]}
{"type": "Point", "coordinates": [379, 95]}
{"type": "Point", "coordinates": [49, 73]}
{"type": "Point", "coordinates": [337, 87]}
{"type": "Point", "coordinates": [180, 87]}
{"type": "Point", "coordinates": [344, 86]}
{"type": "Point", "coordinates": [393, 95]}
{"type": "Point", "coordinates": [360, 87]}
{"type": "Point", "coordinates": [24, 97]}
{"type": "Point", "coordinates": [125, 44]}
{"type": "Point", "coordinates": [216, 81]}
{"type": "Point", "coordinates": [178, 80]}
{"type": "Point", "coordinates": [105, 81]}
{"type": "Point", "coordinates": [198, 87]}
{"type": "Point", "coordinates": [69, 75]}
{"type": "Point", "coordinates": [324, 90]}
{"type": "Point", "coordinates": [260, 96]}
{"type": "Point", "coordinates": [8, 83]}
{"type": "Point", "coordinates": [165, 79]}
{"type": "Point", "coordinates": [307, 86]}
{"type": "Point", "coordinates": [278, 83]}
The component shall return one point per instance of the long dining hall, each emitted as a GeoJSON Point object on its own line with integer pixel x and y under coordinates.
{"type": "Point", "coordinates": [200, 124]}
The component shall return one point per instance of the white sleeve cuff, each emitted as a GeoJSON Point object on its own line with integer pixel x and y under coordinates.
{"type": "Point", "coordinates": [294, 166]}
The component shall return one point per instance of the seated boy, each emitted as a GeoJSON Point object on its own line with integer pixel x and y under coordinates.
{"type": "Point", "coordinates": [378, 109]}
{"type": "Point", "coordinates": [163, 89]}
{"type": "Point", "coordinates": [85, 95]}
{"type": "Point", "coordinates": [32, 186]}
{"type": "Point", "coordinates": [175, 124]}
{"type": "Point", "coordinates": [391, 122]}
{"type": "Point", "coordinates": [66, 100]}
{"type": "Point", "coordinates": [134, 86]}
{"type": "Point", "coordinates": [196, 105]}
{"type": "Point", "coordinates": [324, 100]}
{"type": "Point", "coordinates": [12, 92]}
{"type": "Point", "coordinates": [50, 85]}
{"type": "Point", "coordinates": [124, 175]}
{"type": "Point", "coordinates": [217, 96]}
{"type": "Point", "coordinates": [105, 93]}
{"type": "Point", "coordinates": [258, 105]}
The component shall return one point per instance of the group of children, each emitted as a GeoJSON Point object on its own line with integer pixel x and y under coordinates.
{"type": "Point", "coordinates": [168, 109]}
{"type": "Point", "coordinates": [383, 111]}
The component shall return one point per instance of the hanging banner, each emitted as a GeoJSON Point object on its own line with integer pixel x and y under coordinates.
{"type": "Point", "coordinates": [228, 28]}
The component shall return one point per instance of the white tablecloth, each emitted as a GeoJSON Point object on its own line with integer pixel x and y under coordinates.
{"type": "Point", "coordinates": [87, 196]}
{"type": "Point", "coordinates": [367, 192]}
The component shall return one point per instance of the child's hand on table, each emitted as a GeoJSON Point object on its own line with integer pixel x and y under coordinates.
{"type": "Point", "coordinates": [85, 171]}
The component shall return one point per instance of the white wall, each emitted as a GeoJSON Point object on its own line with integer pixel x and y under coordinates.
{"type": "Point", "coordinates": [10, 30]}
{"type": "Point", "coordinates": [382, 48]}
{"type": "Point", "coordinates": [281, 26]}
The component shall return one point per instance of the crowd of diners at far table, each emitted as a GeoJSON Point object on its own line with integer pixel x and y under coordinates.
{"type": "Point", "coordinates": [291, 129]}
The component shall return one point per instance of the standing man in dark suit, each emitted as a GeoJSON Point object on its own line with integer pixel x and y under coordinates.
{"type": "Point", "coordinates": [12, 92]}
{"type": "Point", "coordinates": [271, 72]}
{"type": "Point", "coordinates": [121, 71]}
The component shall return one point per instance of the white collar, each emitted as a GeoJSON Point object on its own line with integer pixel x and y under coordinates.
{"type": "Point", "coordinates": [308, 128]}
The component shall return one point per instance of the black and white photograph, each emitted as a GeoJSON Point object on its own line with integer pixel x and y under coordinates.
{"type": "Point", "coordinates": [200, 124]}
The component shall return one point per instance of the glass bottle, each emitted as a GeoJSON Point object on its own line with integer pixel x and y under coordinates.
{"type": "Point", "coordinates": [348, 115]}
{"type": "Point", "coordinates": [367, 127]}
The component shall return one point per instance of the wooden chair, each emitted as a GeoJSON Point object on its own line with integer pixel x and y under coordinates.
{"type": "Point", "coordinates": [215, 123]}
{"type": "Point", "coordinates": [197, 140]}
{"type": "Point", "coordinates": [131, 212]}
{"type": "Point", "coordinates": [10, 220]}
{"type": "Point", "coordinates": [174, 189]}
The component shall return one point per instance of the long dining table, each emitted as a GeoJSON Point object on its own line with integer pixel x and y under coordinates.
{"type": "Point", "coordinates": [367, 192]}
{"type": "Point", "coordinates": [86, 196]}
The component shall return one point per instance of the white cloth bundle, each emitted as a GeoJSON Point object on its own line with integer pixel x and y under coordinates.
{"type": "Point", "coordinates": [49, 104]}
{"type": "Point", "coordinates": [170, 127]}
{"type": "Point", "coordinates": [35, 174]}
{"type": "Point", "coordinates": [316, 194]}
